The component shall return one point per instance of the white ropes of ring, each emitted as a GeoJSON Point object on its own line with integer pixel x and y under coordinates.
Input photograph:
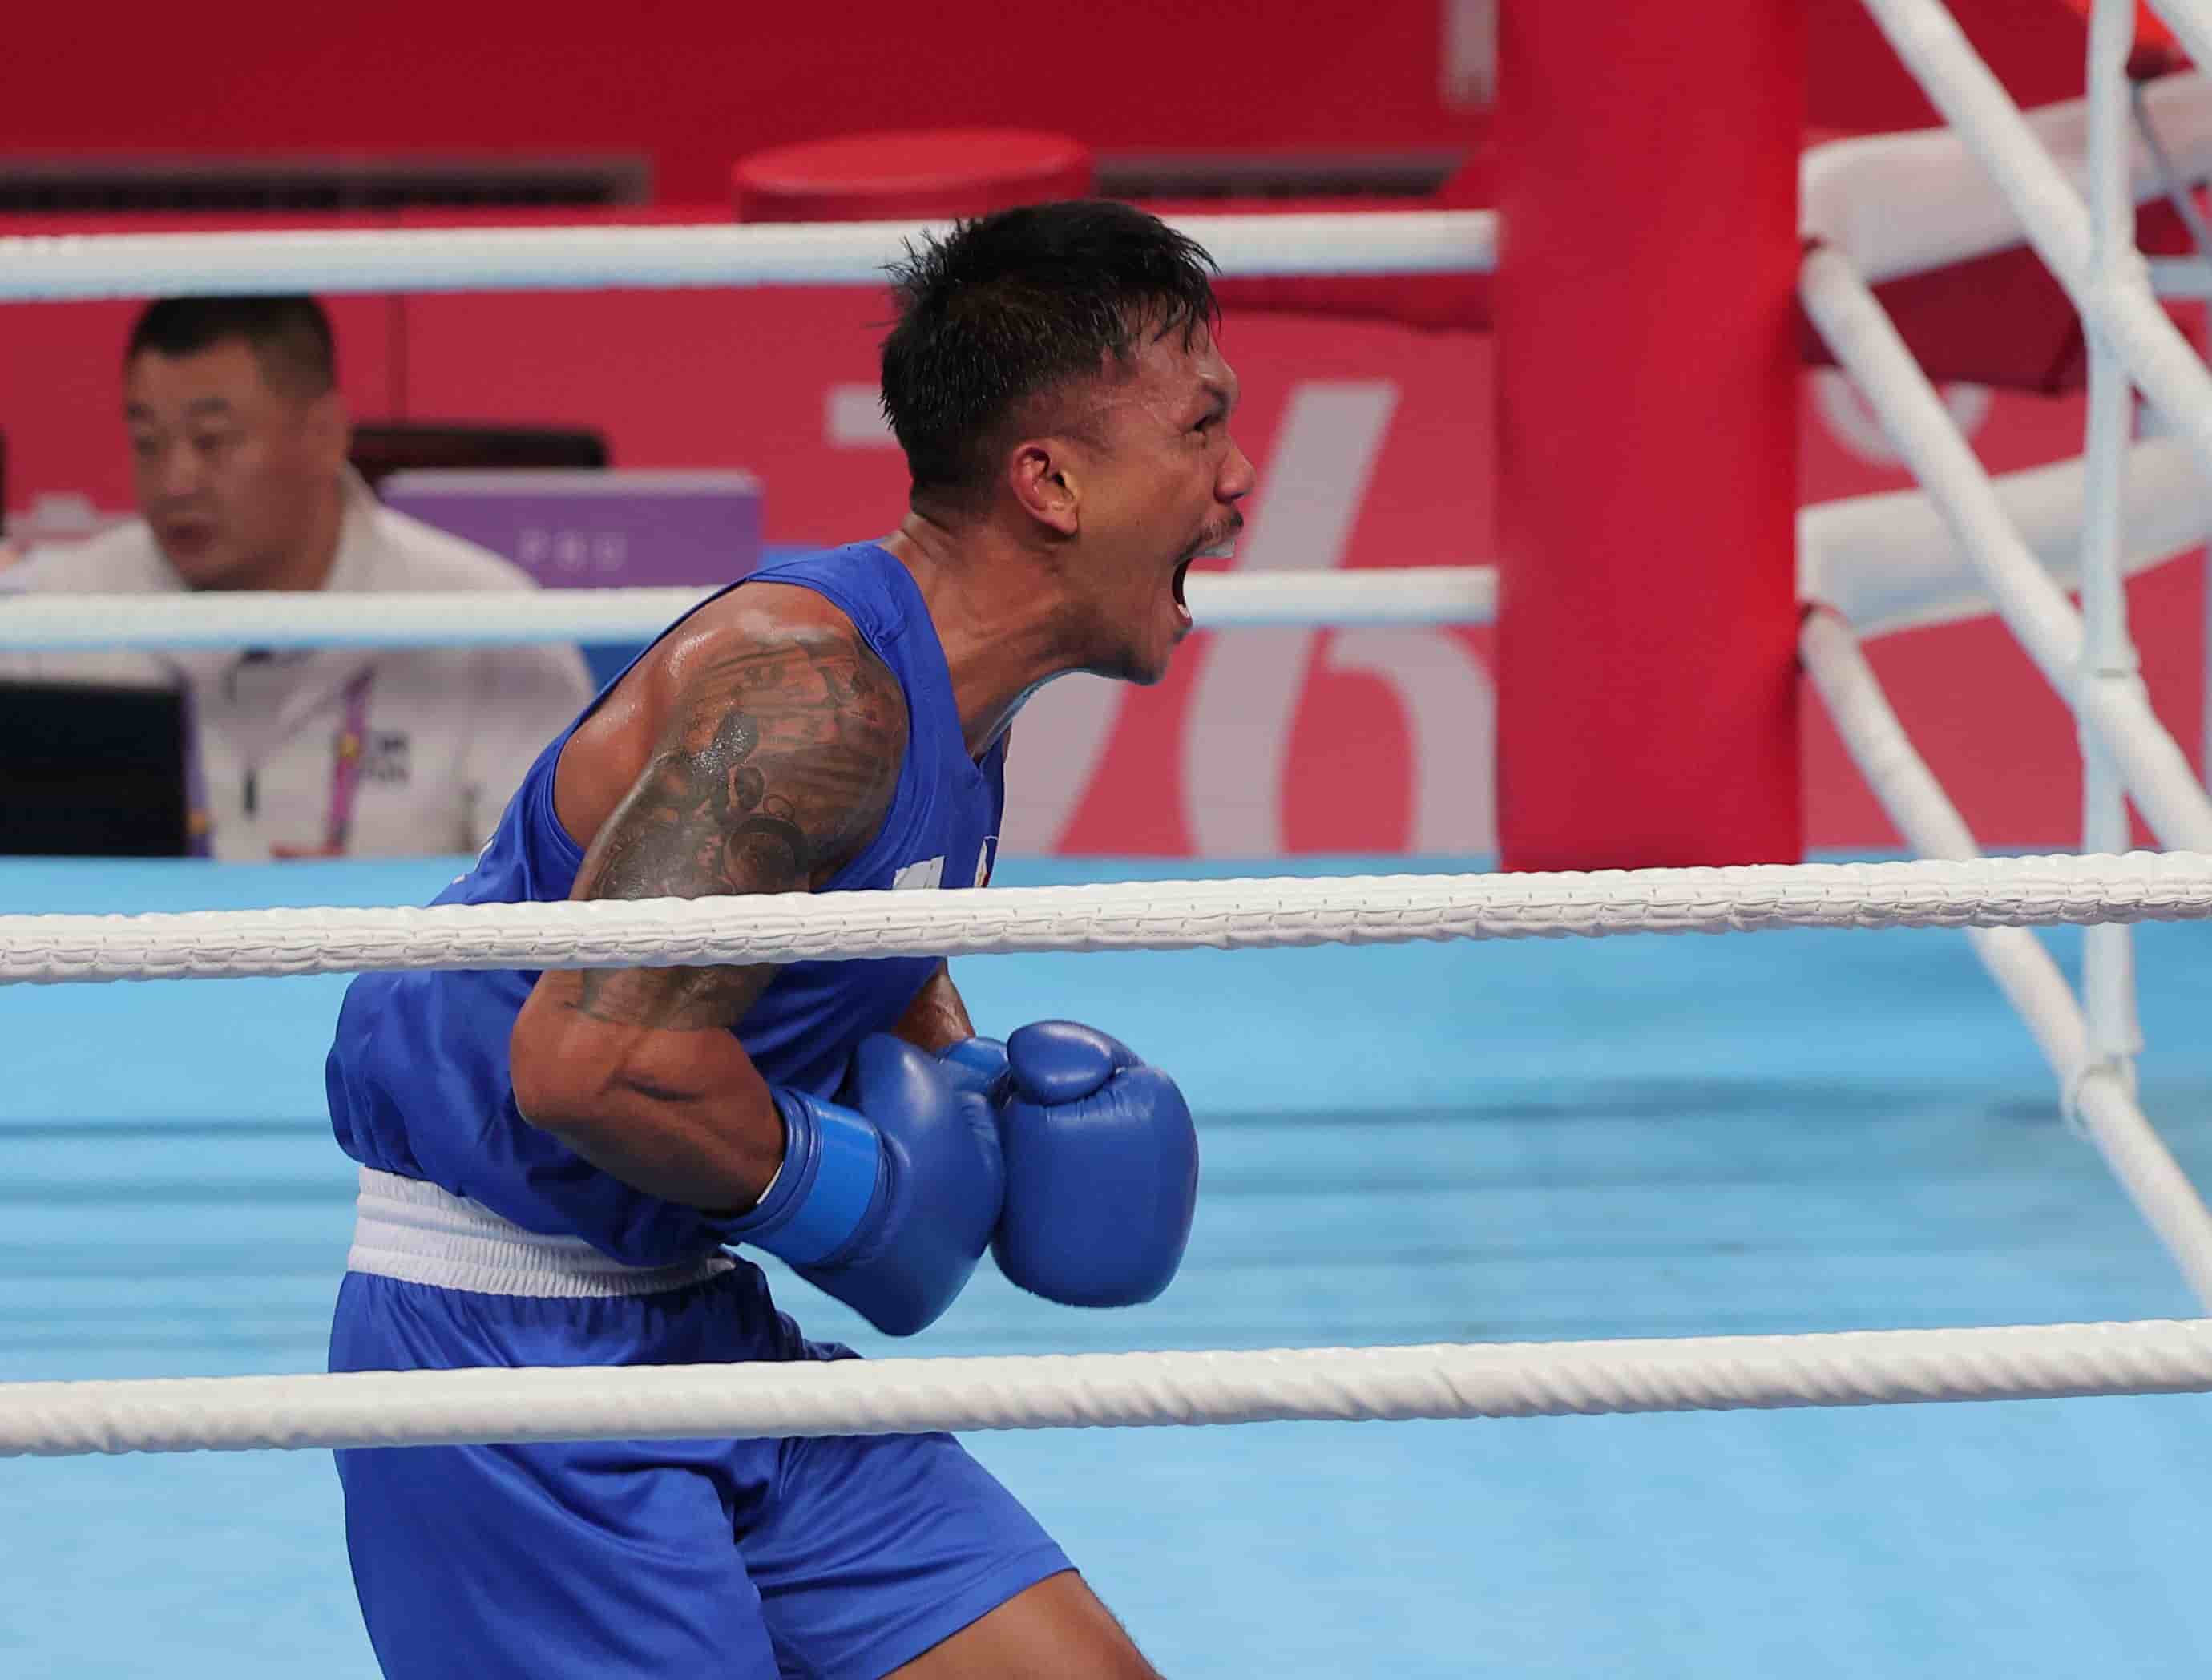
{"type": "Point", "coordinates": [48, 268]}
{"type": "Point", "coordinates": [1124, 1390]}
{"type": "Point", "coordinates": [1154, 916]}
{"type": "Point", "coordinates": [1367, 596]}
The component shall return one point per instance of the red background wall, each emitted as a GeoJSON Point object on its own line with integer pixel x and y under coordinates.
{"type": "Point", "coordinates": [743, 378]}
{"type": "Point", "coordinates": [696, 83]}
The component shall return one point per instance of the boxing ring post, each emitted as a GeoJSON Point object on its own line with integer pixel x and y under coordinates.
{"type": "Point", "coordinates": [1647, 709]}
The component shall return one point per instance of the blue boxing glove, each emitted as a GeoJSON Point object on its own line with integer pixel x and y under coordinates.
{"type": "Point", "coordinates": [1102, 1169]}
{"type": "Point", "coordinates": [978, 1066]}
{"type": "Point", "coordinates": [886, 1199]}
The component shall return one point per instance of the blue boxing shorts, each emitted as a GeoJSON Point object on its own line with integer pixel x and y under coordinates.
{"type": "Point", "coordinates": [828, 1558]}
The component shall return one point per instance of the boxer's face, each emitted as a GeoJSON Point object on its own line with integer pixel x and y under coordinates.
{"type": "Point", "coordinates": [236, 475]}
{"type": "Point", "coordinates": [1160, 491]}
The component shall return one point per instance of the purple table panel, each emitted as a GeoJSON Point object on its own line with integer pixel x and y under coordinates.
{"type": "Point", "coordinates": [595, 529]}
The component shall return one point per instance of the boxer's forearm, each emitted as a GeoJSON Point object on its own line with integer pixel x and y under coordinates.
{"type": "Point", "coordinates": [937, 1017]}
{"type": "Point", "coordinates": [681, 1115]}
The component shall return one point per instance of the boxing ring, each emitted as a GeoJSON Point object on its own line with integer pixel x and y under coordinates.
{"type": "Point", "coordinates": [1526, 1170]}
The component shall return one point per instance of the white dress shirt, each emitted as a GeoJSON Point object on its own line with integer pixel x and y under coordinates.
{"type": "Point", "coordinates": [441, 736]}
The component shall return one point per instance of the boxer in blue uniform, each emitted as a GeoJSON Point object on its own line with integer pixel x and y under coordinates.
{"type": "Point", "coordinates": [556, 1166]}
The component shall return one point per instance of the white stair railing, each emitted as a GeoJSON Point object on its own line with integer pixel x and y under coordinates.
{"type": "Point", "coordinates": [2087, 657]}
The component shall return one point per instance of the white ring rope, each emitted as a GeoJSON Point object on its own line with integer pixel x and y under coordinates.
{"type": "Point", "coordinates": [1851, 191]}
{"type": "Point", "coordinates": [1889, 561]}
{"type": "Point", "coordinates": [1093, 1391]}
{"type": "Point", "coordinates": [480, 619]}
{"type": "Point", "coordinates": [46, 268]}
{"type": "Point", "coordinates": [1123, 915]}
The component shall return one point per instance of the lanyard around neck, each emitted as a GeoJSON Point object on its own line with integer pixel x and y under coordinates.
{"type": "Point", "coordinates": [347, 749]}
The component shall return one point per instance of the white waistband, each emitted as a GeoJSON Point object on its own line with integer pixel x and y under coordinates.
{"type": "Point", "coordinates": [406, 1229]}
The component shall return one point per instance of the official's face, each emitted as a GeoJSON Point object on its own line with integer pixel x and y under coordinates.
{"type": "Point", "coordinates": [234, 474]}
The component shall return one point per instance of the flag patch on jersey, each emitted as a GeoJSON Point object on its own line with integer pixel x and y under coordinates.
{"type": "Point", "coordinates": [929, 872]}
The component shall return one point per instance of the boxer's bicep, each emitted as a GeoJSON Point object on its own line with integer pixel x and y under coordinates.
{"type": "Point", "coordinates": [776, 766]}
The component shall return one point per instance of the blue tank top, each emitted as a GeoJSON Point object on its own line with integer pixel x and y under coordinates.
{"type": "Point", "coordinates": [418, 1079]}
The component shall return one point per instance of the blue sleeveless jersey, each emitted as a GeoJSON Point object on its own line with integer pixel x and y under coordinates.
{"type": "Point", "coordinates": [418, 1078]}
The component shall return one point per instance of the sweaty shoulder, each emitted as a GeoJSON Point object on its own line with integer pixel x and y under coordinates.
{"type": "Point", "coordinates": [763, 723]}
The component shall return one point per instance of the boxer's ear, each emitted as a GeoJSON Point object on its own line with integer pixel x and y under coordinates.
{"type": "Point", "coordinates": [1045, 478]}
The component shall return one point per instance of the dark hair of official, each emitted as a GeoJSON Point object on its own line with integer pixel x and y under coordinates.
{"type": "Point", "coordinates": [1005, 308]}
{"type": "Point", "coordinates": [290, 336]}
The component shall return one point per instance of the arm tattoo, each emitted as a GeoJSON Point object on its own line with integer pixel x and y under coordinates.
{"type": "Point", "coordinates": [775, 770]}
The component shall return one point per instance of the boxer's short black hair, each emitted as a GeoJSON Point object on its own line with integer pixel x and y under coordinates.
{"type": "Point", "coordinates": [290, 336]}
{"type": "Point", "coordinates": [1005, 308]}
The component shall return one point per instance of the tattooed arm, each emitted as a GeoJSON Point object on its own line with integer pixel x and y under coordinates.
{"type": "Point", "coordinates": [776, 761]}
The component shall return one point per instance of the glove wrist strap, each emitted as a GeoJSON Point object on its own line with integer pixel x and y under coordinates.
{"type": "Point", "coordinates": [821, 1195]}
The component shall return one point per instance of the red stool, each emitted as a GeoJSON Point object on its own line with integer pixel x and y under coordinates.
{"type": "Point", "coordinates": [929, 176]}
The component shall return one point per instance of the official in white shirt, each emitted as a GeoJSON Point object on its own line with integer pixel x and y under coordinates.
{"type": "Point", "coordinates": [238, 442]}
